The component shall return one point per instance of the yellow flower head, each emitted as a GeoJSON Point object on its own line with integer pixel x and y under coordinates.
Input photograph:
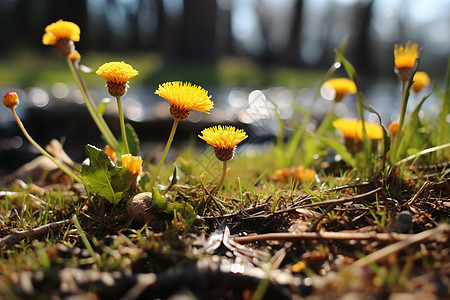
{"type": "Point", "coordinates": [62, 34]}
{"type": "Point", "coordinates": [117, 72]}
{"type": "Point", "coordinates": [421, 80]}
{"type": "Point", "coordinates": [393, 128]}
{"type": "Point", "coordinates": [133, 163]}
{"type": "Point", "coordinates": [351, 128]}
{"type": "Point", "coordinates": [373, 131]}
{"type": "Point", "coordinates": [341, 86]}
{"type": "Point", "coordinates": [61, 30]}
{"type": "Point", "coordinates": [405, 56]}
{"type": "Point", "coordinates": [298, 173]}
{"type": "Point", "coordinates": [185, 97]}
{"type": "Point", "coordinates": [117, 75]}
{"type": "Point", "coordinates": [404, 59]}
{"type": "Point", "coordinates": [347, 127]}
{"type": "Point", "coordinates": [11, 100]}
{"type": "Point", "coordinates": [223, 139]}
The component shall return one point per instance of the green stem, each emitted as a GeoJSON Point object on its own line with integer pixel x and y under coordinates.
{"type": "Point", "coordinates": [122, 125]}
{"type": "Point", "coordinates": [224, 171]}
{"type": "Point", "coordinates": [45, 153]}
{"type": "Point", "coordinates": [326, 120]}
{"type": "Point", "coordinates": [166, 150]}
{"type": "Point", "coordinates": [402, 120]}
{"type": "Point", "coordinates": [90, 105]}
{"type": "Point", "coordinates": [298, 133]}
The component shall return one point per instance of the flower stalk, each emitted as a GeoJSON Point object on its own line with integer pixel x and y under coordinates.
{"type": "Point", "coordinates": [166, 151]}
{"type": "Point", "coordinates": [45, 153]}
{"type": "Point", "coordinates": [122, 125]}
{"type": "Point", "coordinates": [91, 107]}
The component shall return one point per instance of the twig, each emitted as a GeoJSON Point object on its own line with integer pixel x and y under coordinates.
{"type": "Point", "coordinates": [334, 202]}
{"type": "Point", "coordinates": [394, 248]}
{"type": "Point", "coordinates": [422, 188]}
{"type": "Point", "coordinates": [382, 237]}
{"type": "Point", "coordinates": [17, 236]}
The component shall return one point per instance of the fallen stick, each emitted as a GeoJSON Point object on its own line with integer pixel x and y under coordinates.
{"type": "Point", "coordinates": [17, 236]}
{"type": "Point", "coordinates": [383, 237]}
{"type": "Point", "coordinates": [394, 248]}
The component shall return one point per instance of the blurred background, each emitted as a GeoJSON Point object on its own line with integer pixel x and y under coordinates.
{"type": "Point", "coordinates": [253, 56]}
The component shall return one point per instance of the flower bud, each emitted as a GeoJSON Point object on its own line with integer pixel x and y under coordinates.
{"type": "Point", "coordinates": [10, 100]}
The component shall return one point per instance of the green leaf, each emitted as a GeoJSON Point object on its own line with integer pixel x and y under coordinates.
{"type": "Point", "coordinates": [174, 179]}
{"type": "Point", "coordinates": [411, 127]}
{"type": "Point", "coordinates": [102, 106]}
{"type": "Point", "coordinates": [133, 140]}
{"type": "Point", "coordinates": [161, 205]}
{"type": "Point", "coordinates": [105, 179]}
{"type": "Point", "coordinates": [145, 180]}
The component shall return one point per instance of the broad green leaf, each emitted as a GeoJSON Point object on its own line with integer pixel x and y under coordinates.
{"type": "Point", "coordinates": [105, 179]}
{"type": "Point", "coordinates": [133, 140]}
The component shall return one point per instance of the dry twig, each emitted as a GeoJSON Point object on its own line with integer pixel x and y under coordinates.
{"type": "Point", "coordinates": [17, 236]}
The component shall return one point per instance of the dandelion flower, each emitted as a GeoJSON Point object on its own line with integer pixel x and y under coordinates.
{"type": "Point", "coordinates": [117, 75]}
{"type": "Point", "coordinates": [373, 131]}
{"type": "Point", "coordinates": [133, 163]}
{"type": "Point", "coordinates": [11, 100]}
{"type": "Point", "coordinates": [404, 59]}
{"type": "Point", "coordinates": [185, 97]}
{"type": "Point", "coordinates": [341, 86]}
{"type": "Point", "coordinates": [420, 80]}
{"type": "Point", "coordinates": [393, 128]}
{"type": "Point", "coordinates": [223, 139]}
{"type": "Point", "coordinates": [347, 127]}
{"type": "Point", "coordinates": [302, 174]}
{"type": "Point", "coordinates": [62, 34]}
{"type": "Point", "coordinates": [298, 173]}
{"type": "Point", "coordinates": [352, 131]}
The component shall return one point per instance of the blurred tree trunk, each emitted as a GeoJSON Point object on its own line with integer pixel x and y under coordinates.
{"type": "Point", "coordinates": [197, 39]}
{"type": "Point", "coordinates": [291, 54]}
{"type": "Point", "coordinates": [168, 31]}
{"type": "Point", "coordinates": [267, 55]}
{"type": "Point", "coordinates": [224, 38]}
{"type": "Point", "coordinates": [361, 50]}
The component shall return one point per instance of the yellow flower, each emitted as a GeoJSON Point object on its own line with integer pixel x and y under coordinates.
{"type": "Point", "coordinates": [421, 80]}
{"type": "Point", "coordinates": [298, 173]}
{"type": "Point", "coordinates": [62, 34]}
{"type": "Point", "coordinates": [133, 163]}
{"type": "Point", "coordinates": [302, 174]}
{"type": "Point", "coordinates": [347, 127]}
{"type": "Point", "coordinates": [223, 139]}
{"type": "Point", "coordinates": [373, 131]}
{"type": "Point", "coordinates": [11, 100]}
{"type": "Point", "coordinates": [404, 59]}
{"type": "Point", "coordinates": [341, 86]}
{"type": "Point", "coordinates": [393, 128]}
{"type": "Point", "coordinates": [61, 30]}
{"type": "Point", "coordinates": [117, 75]}
{"type": "Point", "coordinates": [351, 128]}
{"type": "Point", "coordinates": [185, 97]}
